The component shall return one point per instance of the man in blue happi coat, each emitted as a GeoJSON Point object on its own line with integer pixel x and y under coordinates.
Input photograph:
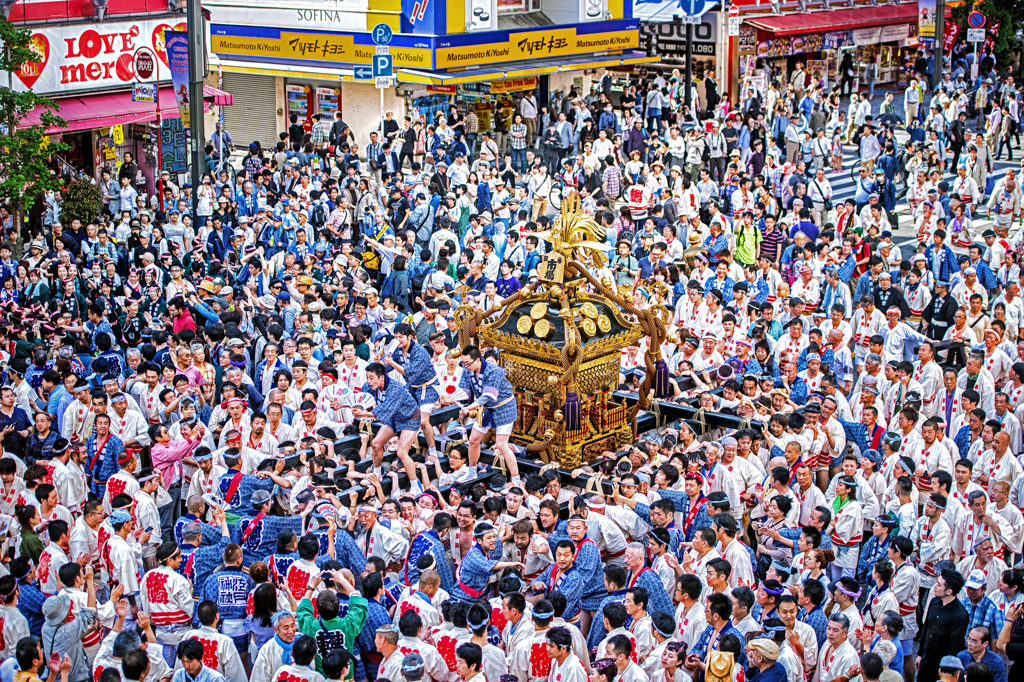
{"type": "Point", "coordinates": [398, 414]}
{"type": "Point", "coordinates": [30, 599]}
{"type": "Point", "coordinates": [615, 583]}
{"type": "Point", "coordinates": [198, 562]}
{"type": "Point", "coordinates": [101, 456]}
{"type": "Point", "coordinates": [588, 563]}
{"type": "Point", "coordinates": [376, 617]}
{"type": "Point", "coordinates": [648, 579]}
{"type": "Point", "coordinates": [229, 589]}
{"type": "Point", "coordinates": [475, 571]}
{"type": "Point", "coordinates": [484, 384]}
{"type": "Point", "coordinates": [562, 577]}
{"type": "Point", "coordinates": [257, 530]}
{"type": "Point", "coordinates": [196, 510]}
{"type": "Point", "coordinates": [429, 542]}
{"type": "Point", "coordinates": [413, 362]}
{"type": "Point", "coordinates": [236, 487]}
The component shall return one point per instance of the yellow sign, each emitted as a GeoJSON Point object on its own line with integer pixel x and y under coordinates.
{"type": "Point", "coordinates": [513, 85]}
{"type": "Point", "coordinates": [321, 47]}
{"type": "Point", "coordinates": [558, 42]}
{"type": "Point", "coordinates": [117, 132]}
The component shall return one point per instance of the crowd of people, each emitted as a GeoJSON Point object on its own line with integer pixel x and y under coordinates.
{"type": "Point", "coordinates": [211, 421]}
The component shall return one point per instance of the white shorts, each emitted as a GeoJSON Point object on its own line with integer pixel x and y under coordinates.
{"type": "Point", "coordinates": [505, 430]}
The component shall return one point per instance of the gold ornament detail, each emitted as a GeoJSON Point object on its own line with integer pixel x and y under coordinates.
{"type": "Point", "coordinates": [524, 325]}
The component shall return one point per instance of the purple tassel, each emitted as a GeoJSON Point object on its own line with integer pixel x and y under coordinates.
{"type": "Point", "coordinates": [662, 388]}
{"type": "Point", "coordinates": [573, 412]}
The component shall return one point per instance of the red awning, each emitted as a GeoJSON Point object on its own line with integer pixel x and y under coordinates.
{"type": "Point", "coordinates": [217, 96]}
{"type": "Point", "coordinates": [99, 111]}
{"type": "Point", "coordinates": [835, 20]}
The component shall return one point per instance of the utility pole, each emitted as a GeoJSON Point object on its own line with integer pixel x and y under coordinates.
{"type": "Point", "coordinates": [688, 96]}
{"type": "Point", "coordinates": [937, 59]}
{"type": "Point", "coordinates": [196, 74]}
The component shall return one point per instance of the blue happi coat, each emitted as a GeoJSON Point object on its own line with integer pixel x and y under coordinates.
{"type": "Point", "coordinates": [197, 563]}
{"type": "Point", "coordinates": [569, 584]}
{"type": "Point", "coordinates": [396, 408]}
{"type": "Point", "coordinates": [229, 589]}
{"type": "Point", "coordinates": [474, 574]}
{"type": "Point", "coordinates": [279, 565]}
{"type": "Point", "coordinates": [211, 534]}
{"type": "Point", "coordinates": [493, 391]}
{"type": "Point", "coordinates": [597, 629]}
{"type": "Point", "coordinates": [246, 487]}
{"type": "Point", "coordinates": [263, 536]}
{"type": "Point", "coordinates": [420, 374]}
{"type": "Point", "coordinates": [659, 599]}
{"type": "Point", "coordinates": [421, 544]}
{"type": "Point", "coordinates": [101, 466]}
{"type": "Point", "coordinates": [588, 562]}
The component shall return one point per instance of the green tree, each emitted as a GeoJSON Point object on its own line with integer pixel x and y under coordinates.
{"type": "Point", "coordinates": [82, 200]}
{"type": "Point", "coordinates": [1010, 16]}
{"type": "Point", "coordinates": [24, 172]}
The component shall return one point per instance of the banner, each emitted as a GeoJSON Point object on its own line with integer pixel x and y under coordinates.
{"type": "Point", "coordinates": [892, 34]}
{"type": "Point", "coordinates": [866, 36]}
{"type": "Point", "coordinates": [993, 31]}
{"type": "Point", "coordinates": [173, 146]}
{"type": "Point", "coordinates": [177, 56]}
{"type": "Point", "coordinates": [514, 85]}
{"type": "Point", "coordinates": [926, 18]}
{"type": "Point", "coordinates": [949, 35]}
{"type": "Point", "coordinates": [81, 57]}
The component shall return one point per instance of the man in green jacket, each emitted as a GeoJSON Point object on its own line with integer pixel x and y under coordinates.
{"type": "Point", "coordinates": [329, 631]}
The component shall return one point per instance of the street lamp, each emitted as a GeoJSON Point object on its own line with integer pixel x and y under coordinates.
{"type": "Point", "coordinates": [101, 8]}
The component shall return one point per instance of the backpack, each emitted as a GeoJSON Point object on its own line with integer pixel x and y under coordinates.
{"type": "Point", "coordinates": [388, 288]}
{"type": "Point", "coordinates": [318, 217]}
{"type": "Point", "coordinates": [419, 276]}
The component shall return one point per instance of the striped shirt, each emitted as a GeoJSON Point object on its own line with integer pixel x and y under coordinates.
{"type": "Point", "coordinates": [612, 181]}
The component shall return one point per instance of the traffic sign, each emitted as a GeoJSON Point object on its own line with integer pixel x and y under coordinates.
{"type": "Point", "coordinates": [145, 63]}
{"type": "Point", "coordinates": [734, 10]}
{"type": "Point", "coordinates": [363, 73]}
{"type": "Point", "coordinates": [381, 49]}
{"type": "Point", "coordinates": [382, 34]}
{"type": "Point", "coordinates": [383, 65]}
{"type": "Point", "coordinates": [383, 83]}
{"type": "Point", "coordinates": [976, 20]}
{"type": "Point", "coordinates": [975, 35]}
{"type": "Point", "coordinates": [693, 8]}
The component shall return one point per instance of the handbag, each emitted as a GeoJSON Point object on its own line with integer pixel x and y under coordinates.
{"type": "Point", "coordinates": [720, 664]}
{"type": "Point", "coordinates": [828, 202]}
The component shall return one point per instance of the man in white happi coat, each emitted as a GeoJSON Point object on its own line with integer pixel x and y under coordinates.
{"type": "Point", "coordinates": [979, 521]}
{"type": "Point", "coordinates": [984, 561]}
{"type": "Point", "coordinates": [521, 545]}
{"type": "Point", "coordinates": [69, 492]}
{"type": "Point", "coordinates": [837, 653]}
{"type": "Point", "coordinates": [928, 374]}
{"type": "Point", "coordinates": [996, 463]}
{"type": "Point", "coordinates": [565, 665]}
{"type": "Point", "coordinates": [166, 595]}
{"type": "Point", "coordinates": [149, 392]}
{"type": "Point", "coordinates": [257, 439]}
{"type": "Point", "coordinates": [602, 530]}
{"type": "Point", "coordinates": [975, 376]}
{"type": "Point", "coordinates": [933, 538]}
{"type": "Point", "coordinates": [128, 424]}
{"type": "Point", "coordinates": [930, 456]}
{"type": "Point", "coordinates": [218, 649]}
{"type": "Point", "coordinates": [270, 658]}
{"type": "Point", "coordinates": [207, 476]}
{"type": "Point", "coordinates": [376, 540]}
{"type": "Point", "coordinates": [79, 415]}
{"type": "Point", "coordinates": [1008, 421]}
{"type": "Point", "coordinates": [999, 495]}
{"type": "Point", "coordinates": [85, 534]}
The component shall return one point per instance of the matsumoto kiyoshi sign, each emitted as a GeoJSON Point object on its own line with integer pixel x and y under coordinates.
{"type": "Point", "coordinates": [286, 45]}
{"type": "Point", "coordinates": [80, 57]}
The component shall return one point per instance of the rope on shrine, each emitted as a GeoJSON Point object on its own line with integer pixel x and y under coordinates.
{"type": "Point", "coordinates": [659, 418]}
{"type": "Point", "coordinates": [499, 462]}
{"type": "Point", "coordinates": [594, 484]}
{"type": "Point", "coordinates": [366, 425]}
{"type": "Point", "coordinates": [547, 467]}
{"type": "Point", "coordinates": [653, 327]}
{"type": "Point", "coordinates": [699, 418]}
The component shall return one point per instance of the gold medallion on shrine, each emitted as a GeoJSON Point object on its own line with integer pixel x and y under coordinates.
{"type": "Point", "coordinates": [542, 328]}
{"type": "Point", "coordinates": [524, 325]}
{"type": "Point", "coordinates": [589, 327]}
{"type": "Point", "coordinates": [590, 310]}
{"type": "Point", "coordinates": [604, 324]}
{"type": "Point", "coordinates": [539, 310]}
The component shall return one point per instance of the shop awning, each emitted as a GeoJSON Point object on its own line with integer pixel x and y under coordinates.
{"type": "Point", "coordinates": [86, 112]}
{"type": "Point", "coordinates": [521, 70]}
{"type": "Point", "coordinates": [836, 19]}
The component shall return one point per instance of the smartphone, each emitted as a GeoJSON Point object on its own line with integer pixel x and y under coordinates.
{"type": "Point", "coordinates": [150, 529]}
